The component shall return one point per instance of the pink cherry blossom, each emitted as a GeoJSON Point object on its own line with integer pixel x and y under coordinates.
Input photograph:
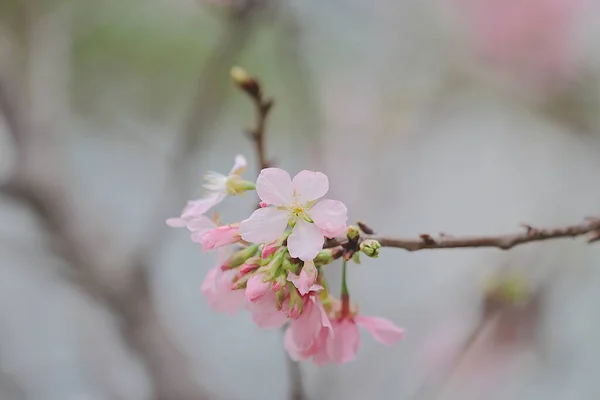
{"type": "Point", "coordinates": [217, 289]}
{"type": "Point", "coordinates": [269, 249]}
{"type": "Point", "coordinates": [343, 345]}
{"type": "Point", "coordinates": [306, 328]}
{"type": "Point", "coordinates": [265, 313]}
{"type": "Point", "coordinates": [219, 237]}
{"type": "Point", "coordinates": [218, 186]}
{"type": "Point", "coordinates": [295, 202]}
{"type": "Point", "coordinates": [257, 287]}
{"type": "Point", "coordinates": [306, 279]}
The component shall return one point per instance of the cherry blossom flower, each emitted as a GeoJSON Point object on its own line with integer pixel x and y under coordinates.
{"type": "Point", "coordinates": [265, 313]}
{"type": "Point", "coordinates": [294, 202]}
{"type": "Point", "coordinates": [218, 186]}
{"type": "Point", "coordinates": [219, 237]}
{"type": "Point", "coordinates": [340, 341]}
{"type": "Point", "coordinates": [217, 287]}
{"type": "Point", "coordinates": [257, 287]}
{"type": "Point", "coordinates": [306, 279]}
{"type": "Point", "coordinates": [343, 345]}
{"type": "Point", "coordinates": [306, 327]}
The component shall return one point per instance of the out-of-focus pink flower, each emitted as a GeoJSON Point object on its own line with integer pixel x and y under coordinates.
{"type": "Point", "coordinates": [306, 328]}
{"type": "Point", "coordinates": [306, 279]}
{"type": "Point", "coordinates": [339, 341]}
{"type": "Point", "coordinates": [265, 313]}
{"type": "Point", "coordinates": [257, 287]}
{"type": "Point", "coordinates": [343, 345]}
{"type": "Point", "coordinates": [293, 202]}
{"type": "Point", "coordinates": [217, 289]}
{"type": "Point", "coordinates": [219, 237]}
{"type": "Point", "coordinates": [530, 37]}
{"type": "Point", "coordinates": [218, 186]}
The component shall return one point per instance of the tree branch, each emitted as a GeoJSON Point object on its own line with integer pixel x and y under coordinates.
{"type": "Point", "coordinates": [128, 297]}
{"type": "Point", "coordinates": [262, 106]}
{"type": "Point", "coordinates": [590, 227]}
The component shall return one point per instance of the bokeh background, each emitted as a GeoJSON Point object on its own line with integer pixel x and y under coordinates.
{"type": "Point", "coordinates": [461, 116]}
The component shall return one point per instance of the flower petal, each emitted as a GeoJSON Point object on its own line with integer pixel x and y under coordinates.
{"type": "Point", "coordinates": [343, 347]}
{"type": "Point", "coordinates": [265, 313]}
{"type": "Point", "coordinates": [200, 206]}
{"type": "Point", "coordinates": [330, 216]}
{"type": "Point", "coordinates": [309, 186]}
{"type": "Point", "coordinates": [306, 279]}
{"type": "Point", "coordinates": [219, 237]}
{"type": "Point", "coordinates": [257, 287]}
{"type": "Point", "coordinates": [306, 241]}
{"type": "Point", "coordinates": [176, 222]}
{"type": "Point", "coordinates": [200, 224]}
{"type": "Point", "coordinates": [274, 186]}
{"type": "Point", "coordinates": [265, 225]}
{"type": "Point", "coordinates": [239, 165]}
{"type": "Point", "coordinates": [382, 330]}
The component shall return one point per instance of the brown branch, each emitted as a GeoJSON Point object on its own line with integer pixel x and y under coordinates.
{"type": "Point", "coordinates": [127, 296]}
{"type": "Point", "coordinates": [251, 86]}
{"type": "Point", "coordinates": [590, 227]}
{"type": "Point", "coordinates": [263, 106]}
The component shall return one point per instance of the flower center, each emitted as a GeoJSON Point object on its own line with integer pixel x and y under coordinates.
{"type": "Point", "coordinates": [297, 210]}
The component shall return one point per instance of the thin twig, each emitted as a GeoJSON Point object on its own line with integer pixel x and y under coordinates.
{"type": "Point", "coordinates": [262, 106]}
{"type": "Point", "coordinates": [590, 227]}
{"type": "Point", "coordinates": [251, 86]}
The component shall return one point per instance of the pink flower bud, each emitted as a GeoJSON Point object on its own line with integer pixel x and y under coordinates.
{"type": "Point", "coordinates": [257, 287]}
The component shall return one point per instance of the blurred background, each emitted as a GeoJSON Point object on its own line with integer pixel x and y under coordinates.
{"type": "Point", "coordinates": [461, 116]}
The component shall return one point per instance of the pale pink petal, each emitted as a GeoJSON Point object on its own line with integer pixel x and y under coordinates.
{"type": "Point", "coordinates": [265, 225]}
{"type": "Point", "coordinates": [319, 349]}
{"type": "Point", "coordinates": [306, 327]}
{"type": "Point", "coordinates": [382, 330]}
{"type": "Point", "coordinates": [309, 186]}
{"type": "Point", "coordinates": [200, 224]}
{"type": "Point", "coordinates": [306, 241]}
{"type": "Point", "coordinates": [208, 284]}
{"type": "Point", "coordinates": [269, 249]}
{"type": "Point", "coordinates": [265, 313]}
{"type": "Point", "coordinates": [274, 186]}
{"type": "Point", "coordinates": [217, 289]}
{"type": "Point", "coordinates": [330, 216]}
{"type": "Point", "coordinates": [343, 345]}
{"type": "Point", "coordinates": [200, 206]}
{"type": "Point", "coordinates": [256, 287]}
{"type": "Point", "coordinates": [239, 166]}
{"type": "Point", "coordinates": [219, 237]}
{"type": "Point", "coordinates": [291, 348]}
{"type": "Point", "coordinates": [176, 222]}
{"type": "Point", "coordinates": [306, 279]}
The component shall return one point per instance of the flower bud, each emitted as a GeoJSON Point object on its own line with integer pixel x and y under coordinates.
{"type": "Point", "coordinates": [352, 232]}
{"type": "Point", "coordinates": [236, 185]}
{"type": "Point", "coordinates": [279, 282]}
{"type": "Point", "coordinates": [279, 298]}
{"type": "Point", "coordinates": [296, 303]}
{"type": "Point", "coordinates": [250, 265]}
{"type": "Point", "coordinates": [241, 256]}
{"type": "Point", "coordinates": [370, 247]}
{"type": "Point", "coordinates": [327, 256]}
{"type": "Point", "coordinates": [240, 283]}
{"type": "Point", "coordinates": [288, 265]}
{"type": "Point", "coordinates": [245, 82]}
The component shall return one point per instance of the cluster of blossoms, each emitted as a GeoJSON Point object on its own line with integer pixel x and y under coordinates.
{"type": "Point", "coordinates": [271, 262]}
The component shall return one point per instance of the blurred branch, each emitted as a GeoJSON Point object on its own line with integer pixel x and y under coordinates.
{"type": "Point", "coordinates": [590, 227]}
{"type": "Point", "coordinates": [130, 299]}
